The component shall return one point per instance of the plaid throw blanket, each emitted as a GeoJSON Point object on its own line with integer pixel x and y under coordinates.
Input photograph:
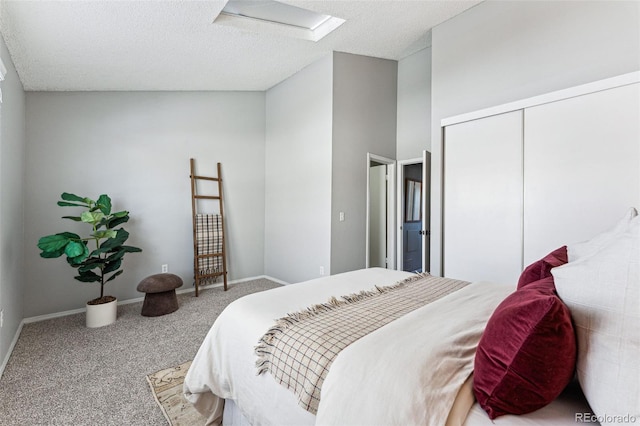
{"type": "Point", "coordinates": [209, 241]}
{"type": "Point", "coordinates": [300, 348]}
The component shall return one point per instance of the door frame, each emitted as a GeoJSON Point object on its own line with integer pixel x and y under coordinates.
{"type": "Point", "coordinates": [426, 209]}
{"type": "Point", "coordinates": [391, 201]}
{"type": "Point", "coordinates": [426, 192]}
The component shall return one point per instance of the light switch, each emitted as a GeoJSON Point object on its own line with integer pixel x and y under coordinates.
{"type": "Point", "coordinates": [341, 216]}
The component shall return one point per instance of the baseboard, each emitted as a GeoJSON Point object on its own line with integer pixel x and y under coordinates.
{"type": "Point", "coordinates": [141, 298]}
{"type": "Point", "coordinates": [242, 280]}
{"type": "Point", "coordinates": [266, 277]}
{"type": "Point", "coordinates": [45, 317]}
{"type": "Point", "coordinates": [11, 346]}
{"type": "Point", "coordinates": [123, 302]}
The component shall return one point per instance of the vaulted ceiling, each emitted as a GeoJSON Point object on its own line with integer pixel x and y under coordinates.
{"type": "Point", "coordinates": [88, 45]}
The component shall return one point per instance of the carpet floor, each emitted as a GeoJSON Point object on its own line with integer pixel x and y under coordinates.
{"type": "Point", "coordinates": [62, 373]}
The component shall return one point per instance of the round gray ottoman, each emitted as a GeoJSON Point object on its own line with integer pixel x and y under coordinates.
{"type": "Point", "coordinates": [160, 297]}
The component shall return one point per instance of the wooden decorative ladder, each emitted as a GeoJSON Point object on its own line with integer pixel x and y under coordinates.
{"type": "Point", "coordinates": [200, 258]}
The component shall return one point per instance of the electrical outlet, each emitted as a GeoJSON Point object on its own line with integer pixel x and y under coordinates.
{"type": "Point", "coordinates": [1, 318]}
{"type": "Point", "coordinates": [165, 268]}
{"type": "Point", "coordinates": [321, 270]}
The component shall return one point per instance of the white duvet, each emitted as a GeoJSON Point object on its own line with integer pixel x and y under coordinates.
{"type": "Point", "coordinates": [405, 373]}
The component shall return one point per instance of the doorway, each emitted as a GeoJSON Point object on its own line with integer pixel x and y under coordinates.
{"type": "Point", "coordinates": [412, 218]}
{"type": "Point", "coordinates": [414, 178]}
{"type": "Point", "coordinates": [380, 222]}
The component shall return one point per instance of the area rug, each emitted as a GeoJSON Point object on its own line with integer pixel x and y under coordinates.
{"type": "Point", "coordinates": [166, 386]}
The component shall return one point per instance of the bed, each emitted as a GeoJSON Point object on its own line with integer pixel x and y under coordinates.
{"type": "Point", "coordinates": [418, 368]}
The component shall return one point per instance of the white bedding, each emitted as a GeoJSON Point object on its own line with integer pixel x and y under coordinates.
{"type": "Point", "coordinates": [225, 363]}
{"type": "Point", "coordinates": [409, 372]}
{"type": "Point", "coordinates": [569, 409]}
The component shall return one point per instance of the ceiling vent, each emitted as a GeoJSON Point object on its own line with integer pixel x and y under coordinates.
{"type": "Point", "coordinates": [272, 17]}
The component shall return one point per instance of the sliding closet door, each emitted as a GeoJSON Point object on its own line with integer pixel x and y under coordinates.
{"type": "Point", "coordinates": [582, 163]}
{"type": "Point", "coordinates": [482, 217]}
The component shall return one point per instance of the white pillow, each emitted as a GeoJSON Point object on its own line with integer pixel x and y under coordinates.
{"type": "Point", "coordinates": [603, 293]}
{"type": "Point", "coordinates": [587, 248]}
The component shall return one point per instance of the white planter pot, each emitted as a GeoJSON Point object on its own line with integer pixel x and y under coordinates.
{"type": "Point", "coordinates": [101, 315]}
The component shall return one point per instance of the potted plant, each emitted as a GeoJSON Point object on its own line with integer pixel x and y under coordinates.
{"type": "Point", "coordinates": [101, 264]}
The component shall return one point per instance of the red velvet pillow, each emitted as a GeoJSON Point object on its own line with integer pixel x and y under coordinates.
{"type": "Point", "coordinates": [527, 353]}
{"type": "Point", "coordinates": [542, 268]}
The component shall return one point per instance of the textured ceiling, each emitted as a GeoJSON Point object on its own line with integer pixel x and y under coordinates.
{"type": "Point", "coordinates": [174, 45]}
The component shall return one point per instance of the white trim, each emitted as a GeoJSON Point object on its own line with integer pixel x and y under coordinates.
{"type": "Point", "coordinates": [391, 220]}
{"type": "Point", "coordinates": [391, 216]}
{"type": "Point", "coordinates": [426, 214]}
{"type": "Point", "coordinates": [124, 302]}
{"type": "Point", "coordinates": [281, 282]}
{"type": "Point", "coordinates": [3, 73]}
{"type": "Point", "coordinates": [11, 346]}
{"type": "Point", "coordinates": [400, 206]}
{"type": "Point", "coordinates": [572, 92]}
{"type": "Point", "coordinates": [140, 299]}
{"type": "Point", "coordinates": [254, 25]}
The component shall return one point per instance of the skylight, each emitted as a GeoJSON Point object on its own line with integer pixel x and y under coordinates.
{"type": "Point", "coordinates": [277, 18]}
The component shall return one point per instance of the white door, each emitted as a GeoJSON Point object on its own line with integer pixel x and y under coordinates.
{"type": "Point", "coordinates": [378, 216]}
{"type": "Point", "coordinates": [584, 149]}
{"type": "Point", "coordinates": [482, 217]}
{"type": "Point", "coordinates": [380, 221]}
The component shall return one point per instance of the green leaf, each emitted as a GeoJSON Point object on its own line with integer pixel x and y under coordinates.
{"type": "Point", "coordinates": [80, 258]}
{"type": "Point", "coordinates": [73, 197]}
{"type": "Point", "coordinates": [65, 204]}
{"type": "Point", "coordinates": [112, 266]}
{"type": "Point", "coordinates": [53, 243]}
{"type": "Point", "coordinates": [116, 255]}
{"type": "Point", "coordinates": [74, 218]}
{"type": "Point", "coordinates": [104, 204]}
{"type": "Point", "coordinates": [91, 217]}
{"type": "Point", "coordinates": [92, 263]}
{"type": "Point", "coordinates": [76, 261]}
{"type": "Point", "coordinates": [88, 277]}
{"type": "Point", "coordinates": [131, 249]}
{"type": "Point", "coordinates": [117, 220]}
{"type": "Point", "coordinates": [70, 235]}
{"type": "Point", "coordinates": [52, 254]}
{"type": "Point", "coordinates": [75, 249]}
{"type": "Point", "coordinates": [111, 243]}
{"type": "Point", "coordinates": [103, 222]}
{"type": "Point", "coordinates": [105, 234]}
{"type": "Point", "coordinates": [113, 277]}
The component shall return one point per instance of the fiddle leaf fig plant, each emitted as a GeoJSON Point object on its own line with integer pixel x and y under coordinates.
{"type": "Point", "coordinates": [102, 264]}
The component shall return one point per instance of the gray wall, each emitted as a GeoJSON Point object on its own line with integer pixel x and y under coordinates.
{"type": "Point", "coordinates": [498, 52]}
{"type": "Point", "coordinates": [12, 171]}
{"type": "Point", "coordinates": [321, 123]}
{"type": "Point", "coordinates": [135, 146]}
{"type": "Point", "coordinates": [364, 120]}
{"type": "Point", "coordinates": [414, 105]}
{"type": "Point", "coordinates": [298, 174]}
